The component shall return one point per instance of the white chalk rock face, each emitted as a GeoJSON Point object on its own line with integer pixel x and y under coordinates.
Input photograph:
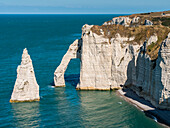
{"type": "Point", "coordinates": [119, 20]}
{"type": "Point", "coordinates": [59, 72]}
{"type": "Point", "coordinates": [135, 20]}
{"type": "Point", "coordinates": [126, 21]}
{"type": "Point", "coordinates": [162, 75]}
{"type": "Point", "coordinates": [95, 61]}
{"type": "Point", "coordinates": [26, 87]}
{"type": "Point", "coordinates": [114, 63]}
{"type": "Point", "coordinates": [152, 39]}
{"type": "Point", "coordinates": [148, 22]}
{"type": "Point", "coordinates": [152, 77]}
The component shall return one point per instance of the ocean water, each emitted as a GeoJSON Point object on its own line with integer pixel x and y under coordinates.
{"type": "Point", "coordinates": [47, 38]}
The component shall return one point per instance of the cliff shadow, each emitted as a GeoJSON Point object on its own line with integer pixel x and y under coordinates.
{"type": "Point", "coordinates": [145, 80]}
{"type": "Point", "coordinates": [130, 68]}
{"type": "Point", "coordinates": [72, 73]}
{"type": "Point", "coordinates": [74, 66]}
{"type": "Point", "coordinates": [72, 79]}
{"type": "Point", "coordinates": [146, 77]}
{"type": "Point", "coordinates": [68, 65]}
{"type": "Point", "coordinates": [161, 116]}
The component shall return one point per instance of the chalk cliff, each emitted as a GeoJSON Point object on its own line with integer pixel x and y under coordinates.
{"type": "Point", "coordinates": [59, 72]}
{"type": "Point", "coordinates": [152, 76]}
{"type": "Point", "coordinates": [126, 52]}
{"type": "Point", "coordinates": [26, 87]}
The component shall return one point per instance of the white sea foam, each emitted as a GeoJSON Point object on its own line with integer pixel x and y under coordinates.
{"type": "Point", "coordinates": [155, 119]}
{"type": "Point", "coordinates": [49, 86]}
{"type": "Point", "coordinates": [120, 102]}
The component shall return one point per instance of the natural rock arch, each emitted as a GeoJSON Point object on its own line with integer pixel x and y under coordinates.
{"type": "Point", "coordinates": [73, 52]}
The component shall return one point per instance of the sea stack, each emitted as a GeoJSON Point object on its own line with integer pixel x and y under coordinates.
{"type": "Point", "coordinates": [26, 87]}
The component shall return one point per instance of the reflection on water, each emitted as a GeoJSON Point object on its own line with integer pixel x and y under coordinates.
{"type": "Point", "coordinates": [103, 108]}
{"type": "Point", "coordinates": [66, 107]}
{"type": "Point", "coordinates": [25, 114]}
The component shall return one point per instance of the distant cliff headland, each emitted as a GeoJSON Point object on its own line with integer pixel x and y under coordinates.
{"type": "Point", "coordinates": [127, 52]}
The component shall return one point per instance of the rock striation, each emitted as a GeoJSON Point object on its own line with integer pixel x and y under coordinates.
{"type": "Point", "coordinates": [152, 77]}
{"type": "Point", "coordinates": [120, 20]}
{"type": "Point", "coordinates": [26, 87]}
{"type": "Point", "coordinates": [95, 70]}
{"type": "Point", "coordinates": [126, 21]}
{"type": "Point", "coordinates": [59, 72]}
{"type": "Point", "coordinates": [119, 54]}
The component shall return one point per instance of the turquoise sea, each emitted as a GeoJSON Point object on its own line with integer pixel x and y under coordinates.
{"type": "Point", "coordinates": [47, 38]}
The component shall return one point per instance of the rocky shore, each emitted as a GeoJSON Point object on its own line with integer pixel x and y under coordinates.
{"type": "Point", "coordinates": [162, 116]}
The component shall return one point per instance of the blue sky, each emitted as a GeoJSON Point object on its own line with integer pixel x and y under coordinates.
{"type": "Point", "coordinates": [82, 6]}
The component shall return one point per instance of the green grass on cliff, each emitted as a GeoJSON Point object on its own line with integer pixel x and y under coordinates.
{"type": "Point", "coordinates": [141, 33]}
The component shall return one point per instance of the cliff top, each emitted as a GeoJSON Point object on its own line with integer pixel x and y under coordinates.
{"type": "Point", "coordinates": [158, 18]}
{"type": "Point", "coordinates": [140, 26]}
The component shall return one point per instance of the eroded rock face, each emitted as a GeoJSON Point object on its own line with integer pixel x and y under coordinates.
{"type": "Point", "coordinates": [135, 20]}
{"type": "Point", "coordinates": [95, 61]}
{"type": "Point", "coordinates": [152, 39]}
{"type": "Point", "coordinates": [113, 63]}
{"type": "Point", "coordinates": [126, 21]}
{"type": "Point", "coordinates": [26, 87]}
{"type": "Point", "coordinates": [148, 22]}
{"type": "Point", "coordinates": [162, 75]}
{"type": "Point", "coordinates": [152, 77]}
{"type": "Point", "coordinates": [104, 61]}
{"type": "Point", "coordinates": [71, 54]}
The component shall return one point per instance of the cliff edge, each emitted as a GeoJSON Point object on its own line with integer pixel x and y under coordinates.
{"type": "Point", "coordinates": [127, 52]}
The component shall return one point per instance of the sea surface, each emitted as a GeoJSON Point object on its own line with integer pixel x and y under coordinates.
{"type": "Point", "coordinates": [47, 38]}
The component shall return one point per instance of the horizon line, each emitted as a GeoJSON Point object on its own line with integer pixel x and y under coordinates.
{"type": "Point", "coordinates": [63, 13]}
{"type": "Point", "coordinates": [90, 13]}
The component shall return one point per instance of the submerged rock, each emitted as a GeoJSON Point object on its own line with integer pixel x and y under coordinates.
{"type": "Point", "coordinates": [26, 87]}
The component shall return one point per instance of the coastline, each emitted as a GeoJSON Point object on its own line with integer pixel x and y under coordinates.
{"type": "Point", "coordinates": [162, 116]}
